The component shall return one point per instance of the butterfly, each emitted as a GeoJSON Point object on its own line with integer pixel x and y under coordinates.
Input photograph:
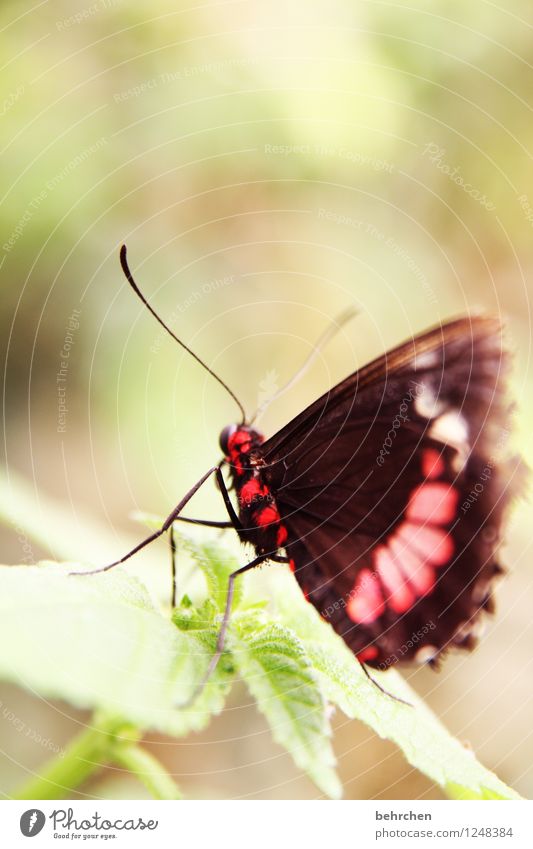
{"type": "Point", "coordinates": [387, 496]}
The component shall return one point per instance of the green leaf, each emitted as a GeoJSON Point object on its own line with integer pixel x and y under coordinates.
{"type": "Point", "coordinates": [455, 791]}
{"type": "Point", "coordinates": [273, 663]}
{"type": "Point", "coordinates": [424, 741]}
{"type": "Point", "coordinates": [99, 642]}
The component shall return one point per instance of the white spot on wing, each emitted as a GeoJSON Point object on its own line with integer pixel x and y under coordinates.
{"type": "Point", "coordinates": [451, 429]}
{"type": "Point", "coordinates": [427, 404]}
{"type": "Point", "coordinates": [429, 359]}
{"type": "Point", "coordinates": [426, 653]}
{"type": "Point", "coordinates": [478, 629]}
{"type": "Point", "coordinates": [474, 629]}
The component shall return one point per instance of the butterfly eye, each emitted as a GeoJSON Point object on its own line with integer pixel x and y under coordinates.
{"type": "Point", "coordinates": [225, 437]}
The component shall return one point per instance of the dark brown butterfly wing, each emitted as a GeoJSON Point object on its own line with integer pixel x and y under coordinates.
{"type": "Point", "coordinates": [392, 489]}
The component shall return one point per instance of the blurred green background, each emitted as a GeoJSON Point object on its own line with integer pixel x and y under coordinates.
{"type": "Point", "coordinates": [268, 165]}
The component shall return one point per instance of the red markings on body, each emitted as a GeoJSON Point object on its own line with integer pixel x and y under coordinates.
{"type": "Point", "coordinates": [281, 537]}
{"type": "Point", "coordinates": [240, 439]}
{"type": "Point", "coordinates": [257, 507]}
{"type": "Point", "coordinates": [266, 515]}
{"type": "Point", "coordinates": [239, 443]}
{"type": "Point", "coordinates": [250, 490]}
{"type": "Point", "coordinates": [366, 601]}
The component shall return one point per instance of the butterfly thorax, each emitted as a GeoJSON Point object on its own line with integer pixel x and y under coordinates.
{"type": "Point", "coordinates": [257, 509]}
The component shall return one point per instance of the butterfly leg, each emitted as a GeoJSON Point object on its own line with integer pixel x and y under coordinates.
{"type": "Point", "coordinates": [208, 523]}
{"type": "Point", "coordinates": [221, 639]}
{"type": "Point", "coordinates": [164, 527]}
{"type": "Point", "coordinates": [205, 523]}
{"type": "Point", "coordinates": [234, 519]}
{"type": "Point", "coordinates": [173, 548]}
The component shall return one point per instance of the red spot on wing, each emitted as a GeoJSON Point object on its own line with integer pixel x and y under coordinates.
{"type": "Point", "coordinates": [400, 597]}
{"type": "Point", "coordinates": [292, 565]}
{"type": "Point", "coordinates": [433, 502]}
{"type": "Point", "coordinates": [432, 464]}
{"type": "Point", "coordinates": [433, 543]}
{"type": "Point", "coordinates": [406, 563]}
{"type": "Point", "coordinates": [366, 601]}
{"type": "Point", "coordinates": [420, 573]}
{"type": "Point", "coordinates": [368, 653]}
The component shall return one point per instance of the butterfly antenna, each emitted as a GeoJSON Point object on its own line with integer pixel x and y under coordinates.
{"type": "Point", "coordinates": [382, 689]}
{"type": "Point", "coordinates": [131, 281]}
{"type": "Point", "coordinates": [321, 343]}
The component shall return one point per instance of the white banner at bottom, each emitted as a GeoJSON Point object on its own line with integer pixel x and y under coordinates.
{"type": "Point", "coordinates": [264, 824]}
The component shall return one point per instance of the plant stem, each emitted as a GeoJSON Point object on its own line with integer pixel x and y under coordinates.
{"type": "Point", "coordinates": [147, 769]}
{"type": "Point", "coordinates": [86, 754]}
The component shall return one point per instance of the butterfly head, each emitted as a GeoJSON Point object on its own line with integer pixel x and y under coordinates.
{"type": "Point", "coordinates": [237, 440]}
